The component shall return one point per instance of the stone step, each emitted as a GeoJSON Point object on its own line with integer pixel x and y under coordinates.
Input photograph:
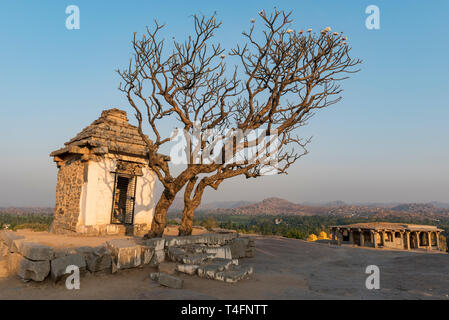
{"type": "Point", "coordinates": [167, 280]}
{"type": "Point", "coordinates": [187, 268]}
{"type": "Point", "coordinates": [199, 258]}
{"type": "Point", "coordinates": [234, 274]}
{"type": "Point", "coordinates": [217, 265]}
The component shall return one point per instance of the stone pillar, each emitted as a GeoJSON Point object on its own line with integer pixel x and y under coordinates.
{"type": "Point", "coordinates": [417, 239]}
{"type": "Point", "coordinates": [407, 240]}
{"type": "Point", "coordinates": [382, 238]}
{"type": "Point", "coordinates": [437, 234]}
{"type": "Point", "coordinates": [362, 239]}
{"type": "Point", "coordinates": [373, 239]}
{"type": "Point", "coordinates": [339, 237]}
{"type": "Point", "coordinates": [351, 237]}
{"type": "Point", "coordinates": [429, 240]}
{"type": "Point", "coordinates": [333, 235]}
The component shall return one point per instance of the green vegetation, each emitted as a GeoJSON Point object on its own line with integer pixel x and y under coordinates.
{"type": "Point", "coordinates": [299, 227]}
{"type": "Point", "coordinates": [36, 222]}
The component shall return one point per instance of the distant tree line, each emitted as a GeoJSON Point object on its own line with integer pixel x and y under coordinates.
{"type": "Point", "coordinates": [37, 222]}
{"type": "Point", "coordinates": [299, 227]}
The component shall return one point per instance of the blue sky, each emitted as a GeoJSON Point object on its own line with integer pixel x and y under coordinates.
{"type": "Point", "coordinates": [387, 140]}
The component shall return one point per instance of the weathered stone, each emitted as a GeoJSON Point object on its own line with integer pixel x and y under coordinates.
{"type": "Point", "coordinates": [209, 271]}
{"type": "Point", "coordinates": [126, 253]}
{"type": "Point", "coordinates": [238, 247]}
{"type": "Point", "coordinates": [34, 270]}
{"type": "Point", "coordinates": [175, 254]}
{"type": "Point", "coordinates": [249, 253]}
{"type": "Point", "coordinates": [98, 259]}
{"type": "Point", "coordinates": [147, 254]}
{"type": "Point", "coordinates": [9, 236]}
{"type": "Point", "coordinates": [59, 266]}
{"type": "Point", "coordinates": [35, 251]}
{"type": "Point", "coordinates": [154, 276]}
{"type": "Point", "coordinates": [158, 257]}
{"type": "Point", "coordinates": [156, 243]}
{"type": "Point", "coordinates": [3, 249]}
{"type": "Point", "coordinates": [223, 252]}
{"type": "Point", "coordinates": [16, 244]}
{"type": "Point", "coordinates": [27, 269]}
{"type": "Point", "coordinates": [13, 262]}
{"type": "Point", "coordinates": [170, 281]}
{"type": "Point", "coordinates": [210, 239]}
{"type": "Point", "coordinates": [187, 268]}
{"type": "Point", "coordinates": [234, 275]}
{"type": "Point", "coordinates": [167, 267]}
{"type": "Point", "coordinates": [198, 258]}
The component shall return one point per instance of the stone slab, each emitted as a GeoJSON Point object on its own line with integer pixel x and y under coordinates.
{"type": "Point", "coordinates": [35, 251]}
{"type": "Point", "coordinates": [27, 269]}
{"type": "Point", "coordinates": [155, 243]}
{"type": "Point", "coordinates": [125, 253]}
{"type": "Point", "coordinates": [158, 257]}
{"type": "Point", "coordinates": [59, 265]}
{"type": "Point", "coordinates": [187, 268]}
{"type": "Point", "coordinates": [170, 281]}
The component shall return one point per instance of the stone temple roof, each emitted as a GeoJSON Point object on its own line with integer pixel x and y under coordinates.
{"type": "Point", "coordinates": [389, 226]}
{"type": "Point", "coordinates": [111, 133]}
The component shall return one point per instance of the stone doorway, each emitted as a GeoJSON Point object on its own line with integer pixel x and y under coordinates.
{"type": "Point", "coordinates": [123, 199]}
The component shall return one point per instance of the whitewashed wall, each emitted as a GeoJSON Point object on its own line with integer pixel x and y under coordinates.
{"type": "Point", "coordinates": [96, 203]}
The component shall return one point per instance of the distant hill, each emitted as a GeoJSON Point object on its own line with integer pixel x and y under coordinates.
{"type": "Point", "coordinates": [178, 204]}
{"type": "Point", "coordinates": [279, 206]}
{"type": "Point", "coordinates": [442, 205]}
{"type": "Point", "coordinates": [272, 206]}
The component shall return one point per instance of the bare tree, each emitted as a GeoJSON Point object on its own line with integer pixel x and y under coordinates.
{"type": "Point", "coordinates": [286, 76]}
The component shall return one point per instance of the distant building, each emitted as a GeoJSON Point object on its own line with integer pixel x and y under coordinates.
{"type": "Point", "coordinates": [104, 184]}
{"type": "Point", "coordinates": [388, 235]}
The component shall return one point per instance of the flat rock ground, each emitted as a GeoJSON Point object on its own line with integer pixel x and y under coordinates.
{"type": "Point", "coordinates": [284, 269]}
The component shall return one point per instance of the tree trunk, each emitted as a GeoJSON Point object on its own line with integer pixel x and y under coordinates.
{"type": "Point", "coordinates": [160, 215]}
{"type": "Point", "coordinates": [187, 221]}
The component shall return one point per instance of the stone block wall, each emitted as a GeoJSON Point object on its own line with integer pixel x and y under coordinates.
{"type": "Point", "coordinates": [212, 252]}
{"type": "Point", "coordinates": [68, 196]}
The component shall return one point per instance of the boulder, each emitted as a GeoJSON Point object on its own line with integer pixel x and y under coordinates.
{"type": "Point", "coordinates": [59, 265]}
{"type": "Point", "coordinates": [125, 253]}
{"type": "Point", "coordinates": [27, 269]}
{"type": "Point", "coordinates": [35, 251]}
{"type": "Point", "coordinates": [34, 270]}
{"type": "Point", "coordinates": [99, 259]}
{"type": "Point", "coordinates": [170, 281]}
